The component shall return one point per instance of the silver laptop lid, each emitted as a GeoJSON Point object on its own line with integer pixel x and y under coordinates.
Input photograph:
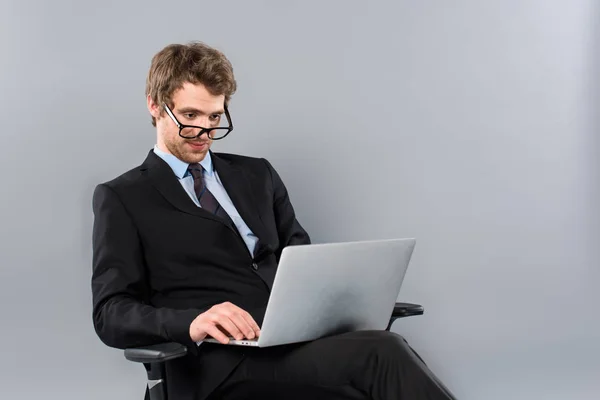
{"type": "Point", "coordinates": [324, 289]}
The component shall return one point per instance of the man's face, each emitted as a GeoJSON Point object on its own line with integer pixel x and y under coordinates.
{"type": "Point", "coordinates": [192, 105]}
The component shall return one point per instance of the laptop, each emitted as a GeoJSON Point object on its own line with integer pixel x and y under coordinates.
{"type": "Point", "coordinates": [327, 289]}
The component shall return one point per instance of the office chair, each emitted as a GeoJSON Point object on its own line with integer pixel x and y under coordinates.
{"type": "Point", "coordinates": [154, 357]}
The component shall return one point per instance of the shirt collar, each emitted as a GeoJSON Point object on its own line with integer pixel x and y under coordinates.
{"type": "Point", "coordinates": [180, 168]}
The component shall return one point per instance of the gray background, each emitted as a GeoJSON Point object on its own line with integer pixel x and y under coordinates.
{"type": "Point", "coordinates": [469, 125]}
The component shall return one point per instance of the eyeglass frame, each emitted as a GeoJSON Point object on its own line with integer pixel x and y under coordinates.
{"type": "Point", "coordinates": [202, 129]}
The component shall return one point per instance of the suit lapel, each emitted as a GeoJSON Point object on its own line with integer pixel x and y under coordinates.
{"type": "Point", "coordinates": [238, 188]}
{"type": "Point", "coordinates": [233, 179]}
{"type": "Point", "coordinates": [165, 181]}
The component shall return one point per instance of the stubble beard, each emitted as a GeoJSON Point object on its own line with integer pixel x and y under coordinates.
{"type": "Point", "coordinates": [180, 150]}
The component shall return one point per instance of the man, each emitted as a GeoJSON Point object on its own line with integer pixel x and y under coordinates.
{"type": "Point", "coordinates": [187, 244]}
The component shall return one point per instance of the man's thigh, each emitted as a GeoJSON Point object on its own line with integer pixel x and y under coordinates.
{"type": "Point", "coordinates": [325, 368]}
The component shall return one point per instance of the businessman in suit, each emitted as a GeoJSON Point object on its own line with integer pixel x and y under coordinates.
{"type": "Point", "coordinates": [186, 246]}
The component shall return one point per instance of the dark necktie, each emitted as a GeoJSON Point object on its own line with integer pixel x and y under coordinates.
{"type": "Point", "coordinates": [205, 197]}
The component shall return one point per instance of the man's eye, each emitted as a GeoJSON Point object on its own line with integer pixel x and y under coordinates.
{"type": "Point", "coordinates": [189, 116]}
{"type": "Point", "coordinates": [215, 117]}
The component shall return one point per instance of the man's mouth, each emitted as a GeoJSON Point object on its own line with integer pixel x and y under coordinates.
{"type": "Point", "coordinates": [198, 144]}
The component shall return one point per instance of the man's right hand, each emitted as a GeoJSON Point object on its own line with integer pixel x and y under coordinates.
{"type": "Point", "coordinates": [223, 320]}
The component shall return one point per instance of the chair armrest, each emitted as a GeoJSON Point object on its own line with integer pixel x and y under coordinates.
{"type": "Point", "coordinates": [156, 353]}
{"type": "Point", "coordinates": [407, 310]}
{"type": "Point", "coordinates": [402, 310]}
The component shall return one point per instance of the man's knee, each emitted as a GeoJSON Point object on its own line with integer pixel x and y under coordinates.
{"type": "Point", "coordinates": [390, 341]}
{"type": "Point", "coordinates": [384, 344]}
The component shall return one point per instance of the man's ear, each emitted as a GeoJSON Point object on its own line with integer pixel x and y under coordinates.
{"type": "Point", "coordinates": [153, 108]}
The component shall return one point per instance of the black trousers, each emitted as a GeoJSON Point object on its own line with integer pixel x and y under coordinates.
{"type": "Point", "coordinates": [376, 365]}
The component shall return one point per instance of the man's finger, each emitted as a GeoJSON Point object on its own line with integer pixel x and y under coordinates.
{"type": "Point", "coordinates": [246, 316]}
{"type": "Point", "coordinates": [229, 326]}
{"type": "Point", "coordinates": [214, 332]}
{"type": "Point", "coordinates": [243, 324]}
{"type": "Point", "coordinates": [251, 322]}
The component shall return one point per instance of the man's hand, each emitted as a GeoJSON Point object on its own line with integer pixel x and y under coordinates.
{"type": "Point", "coordinates": [222, 320]}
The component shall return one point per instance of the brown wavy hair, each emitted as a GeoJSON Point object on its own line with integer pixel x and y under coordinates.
{"type": "Point", "coordinates": [194, 62]}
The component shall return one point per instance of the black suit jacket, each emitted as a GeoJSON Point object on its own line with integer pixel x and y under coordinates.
{"type": "Point", "coordinates": [159, 260]}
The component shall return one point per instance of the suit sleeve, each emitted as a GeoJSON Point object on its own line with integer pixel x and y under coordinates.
{"type": "Point", "coordinates": [289, 230]}
{"type": "Point", "coordinates": [122, 314]}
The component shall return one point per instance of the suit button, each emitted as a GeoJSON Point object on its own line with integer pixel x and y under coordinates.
{"type": "Point", "coordinates": [255, 266]}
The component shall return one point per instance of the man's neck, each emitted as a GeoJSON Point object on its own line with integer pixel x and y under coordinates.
{"type": "Point", "coordinates": [161, 146]}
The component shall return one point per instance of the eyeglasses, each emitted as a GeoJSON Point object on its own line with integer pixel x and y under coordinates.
{"type": "Point", "coordinates": [193, 132]}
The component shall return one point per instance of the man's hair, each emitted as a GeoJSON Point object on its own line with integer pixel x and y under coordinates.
{"type": "Point", "coordinates": [194, 62]}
